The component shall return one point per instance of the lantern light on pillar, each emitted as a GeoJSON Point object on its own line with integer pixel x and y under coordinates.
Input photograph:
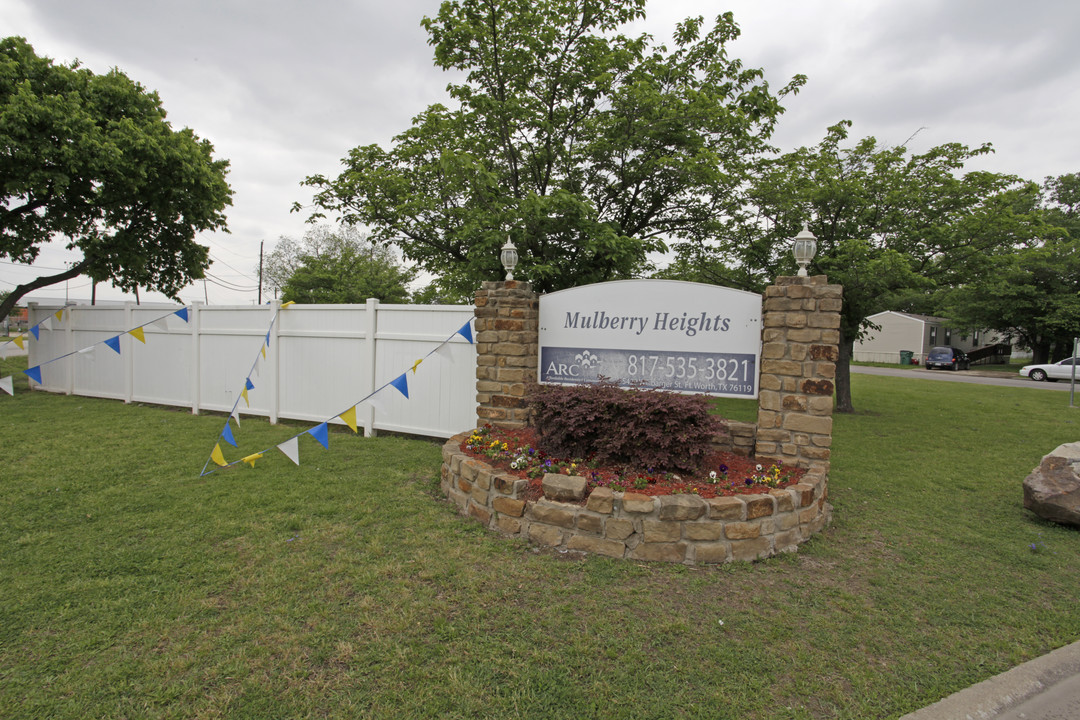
{"type": "Point", "coordinates": [804, 249]}
{"type": "Point", "coordinates": [509, 257]}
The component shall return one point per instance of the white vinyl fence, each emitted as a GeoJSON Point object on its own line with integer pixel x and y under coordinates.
{"type": "Point", "coordinates": [321, 360]}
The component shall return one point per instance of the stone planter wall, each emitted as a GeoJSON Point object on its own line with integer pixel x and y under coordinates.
{"type": "Point", "coordinates": [670, 528]}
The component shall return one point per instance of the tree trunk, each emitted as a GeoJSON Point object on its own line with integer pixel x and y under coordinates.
{"type": "Point", "coordinates": [843, 375]}
{"type": "Point", "coordinates": [1040, 353]}
{"type": "Point", "coordinates": [21, 290]}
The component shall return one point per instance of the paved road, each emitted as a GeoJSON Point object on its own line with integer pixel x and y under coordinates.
{"type": "Point", "coordinates": [964, 376]}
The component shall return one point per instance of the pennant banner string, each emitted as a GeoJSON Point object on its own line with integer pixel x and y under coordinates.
{"type": "Point", "coordinates": [248, 385]}
{"type": "Point", "coordinates": [290, 446]}
{"type": "Point", "coordinates": [113, 342]}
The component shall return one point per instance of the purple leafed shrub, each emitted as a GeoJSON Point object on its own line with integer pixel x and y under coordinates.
{"type": "Point", "coordinates": [643, 428]}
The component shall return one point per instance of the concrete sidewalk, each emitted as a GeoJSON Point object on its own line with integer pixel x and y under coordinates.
{"type": "Point", "coordinates": [1046, 688]}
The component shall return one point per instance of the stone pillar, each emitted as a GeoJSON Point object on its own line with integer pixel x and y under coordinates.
{"type": "Point", "coordinates": [800, 346]}
{"type": "Point", "coordinates": [507, 324]}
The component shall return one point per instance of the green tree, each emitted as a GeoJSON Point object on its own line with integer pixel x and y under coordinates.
{"type": "Point", "coordinates": [588, 148]}
{"type": "Point", "coordinates": [338, 266]}
{"type": "Point", "coordinates": [889, 225]}
{"type": "Point", "coordinates": [288, 254]}
{"type": "Point", "coordinates": [92, 159]}
{"type": "Point", "coordinates": [1062, 202]}
{"type": "Point", "coordinates": [1031, 295]}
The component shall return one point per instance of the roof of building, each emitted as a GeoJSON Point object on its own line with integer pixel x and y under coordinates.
{"type": "Point", "coordinates": [914, 316]}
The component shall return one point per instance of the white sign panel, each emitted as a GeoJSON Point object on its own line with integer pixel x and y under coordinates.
{"type": "Point", "coordinates": [681, 336]}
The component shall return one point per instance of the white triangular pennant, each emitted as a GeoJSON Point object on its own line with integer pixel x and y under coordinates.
{"type": "Point", "coordinates": [7, 385]}
{"type": "Point", "coordinates": [162, 323]}
{"type": "Point", "coordinates": [236, 416]}
{"type": "Point", "coordinates": [377, 402]}
{"type": "Point", "coordinates": [291, 448]}
{"type": "Point", "coordinates": [443, 350]}
{"type": "Point", "coordinates": [47, 324]}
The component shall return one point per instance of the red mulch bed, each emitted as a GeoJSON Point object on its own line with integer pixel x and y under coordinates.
{"type": "Point", "coordinates": [732, 470]}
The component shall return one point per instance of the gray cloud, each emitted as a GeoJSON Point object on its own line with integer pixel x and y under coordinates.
{"type": "Point", "coordinates": [285, 88]}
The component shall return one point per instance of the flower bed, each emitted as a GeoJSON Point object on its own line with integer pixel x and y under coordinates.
{"type": "Point", "coordinates": [516, 452]}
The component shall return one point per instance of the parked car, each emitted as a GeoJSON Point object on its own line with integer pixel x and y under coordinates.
{"type": "Point", "coordinates": [1055, 371]}
{"type": "Point", "coordinates": [949, 358]}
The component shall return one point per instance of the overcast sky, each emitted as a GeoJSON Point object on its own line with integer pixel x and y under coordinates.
{"type": "Point", "coordinates": [283, 88]}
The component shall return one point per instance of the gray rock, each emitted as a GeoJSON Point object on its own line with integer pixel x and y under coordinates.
{"type": "Point", "coordinates": [1052, 490]}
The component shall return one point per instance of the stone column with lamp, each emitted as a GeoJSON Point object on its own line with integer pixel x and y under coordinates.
{"type": "Point", "coordinates": [507, 323]}
{"type": "Point", "coordinates": [800, 346]}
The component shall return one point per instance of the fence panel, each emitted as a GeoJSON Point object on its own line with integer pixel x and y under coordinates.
{"type": "Point", "coordinates": [321, 360]}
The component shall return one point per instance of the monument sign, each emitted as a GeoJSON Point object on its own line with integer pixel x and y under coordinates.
{"type": "Point", "coordinates": [680, 336]}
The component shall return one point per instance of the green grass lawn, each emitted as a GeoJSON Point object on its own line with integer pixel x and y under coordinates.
{"type": "Point", "coordinates": [130, 587]}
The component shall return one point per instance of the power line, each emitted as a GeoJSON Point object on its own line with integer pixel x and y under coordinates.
{"type": "Point", "coordinates": [242, 274]}
{"type": "Point", "coordinates": [228, 285]}
{"type": "Point", "coordinates": [32, 266]}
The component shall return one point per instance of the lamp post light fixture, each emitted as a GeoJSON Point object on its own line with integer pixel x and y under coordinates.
{"type": "Point", "coordinates": [804, 249]}
{"type": "Point", "coordinates": [509, 258]}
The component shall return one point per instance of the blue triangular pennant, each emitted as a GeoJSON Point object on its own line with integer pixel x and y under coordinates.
{"type": "Point", "coordinates": [227, 434]}
{"type": "Point", "coordinates": [321, 433]}
{"type": "Point", "coordinates": [34, 373]}
{"type": "Point", "coordinates": [248, 385]}
{"type": "Point", "coordinates": [36, 332]}
{"type": "Point", "coordinates": [466, 332]}
{"type": "Point", "coordinates": [182, 314]}
{"type": "Point", "coordinates": [114, 343]}
{"type": "Point", "coordinates": [402, 384]}
{"type": "Point", "coordinates": [267, 338]}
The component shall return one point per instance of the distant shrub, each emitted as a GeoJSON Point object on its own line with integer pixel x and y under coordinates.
{"type": "Point", "coordinates": [643, 428]}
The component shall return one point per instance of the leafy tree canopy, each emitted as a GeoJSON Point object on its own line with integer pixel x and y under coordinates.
{"type": "Point", "coordinates": [1031, 295]}
{"type": "Point", "coordinates": [91, 158]}
{"type": "Point", "coordinates": [588, 148]}
{"type": "Point", "coordinates": [1062, 201]}
{"type": "Point", "coordinates": [890, 225]}
{"type": "Point", "coordinates": [336, 265]}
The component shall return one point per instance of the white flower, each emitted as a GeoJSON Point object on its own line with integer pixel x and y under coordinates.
{"type": "Point", "coordinates": [759, 468]}
{"type": "Point", "coordinates": [712, 476]}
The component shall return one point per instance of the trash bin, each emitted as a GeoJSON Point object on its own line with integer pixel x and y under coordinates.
{"type": "Point", "coordinates": [905, 357]}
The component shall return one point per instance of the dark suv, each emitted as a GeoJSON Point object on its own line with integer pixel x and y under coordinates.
{"type": "Point", "coordinates": [949, 358]}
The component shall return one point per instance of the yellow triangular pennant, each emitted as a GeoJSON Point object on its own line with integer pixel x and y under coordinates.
{"type": "Point", "coordinates": [19, 339]}
{"type": "Point", "coordinates": [243, 394]}
{"type": "Point", "coordinates": [264, 352]}
{"type": "Point", "coordinates": [349, 416]}
{"type": "Point", "coordinates": [59, 315]}
{"type": "Point", "coordinates": [138, 334]}
{"type": "Point", "coordinates": [217, 457]}
{"type": "Point", "coordinates": [416, 365]}
{"type": "Point", "coordinates": [250, 459]}
{"type": "Point", "coordinates": [287, 304]}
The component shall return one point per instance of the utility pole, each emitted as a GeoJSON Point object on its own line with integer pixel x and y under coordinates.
{"type": "Point", "coordinates": [260, 271]}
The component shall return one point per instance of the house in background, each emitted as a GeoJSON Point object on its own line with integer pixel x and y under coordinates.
{"type": "Point", "coordinates": [16, 320]}
{"type": "Point", "coordinates": [918, 334]}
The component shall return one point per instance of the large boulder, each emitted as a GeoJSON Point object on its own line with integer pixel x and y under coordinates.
{"type": "Point", "coordinates": [1052, 490]}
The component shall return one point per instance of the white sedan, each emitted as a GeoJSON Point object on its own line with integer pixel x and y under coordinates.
{"type": "Point", "coordinates": [1057, 371]}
